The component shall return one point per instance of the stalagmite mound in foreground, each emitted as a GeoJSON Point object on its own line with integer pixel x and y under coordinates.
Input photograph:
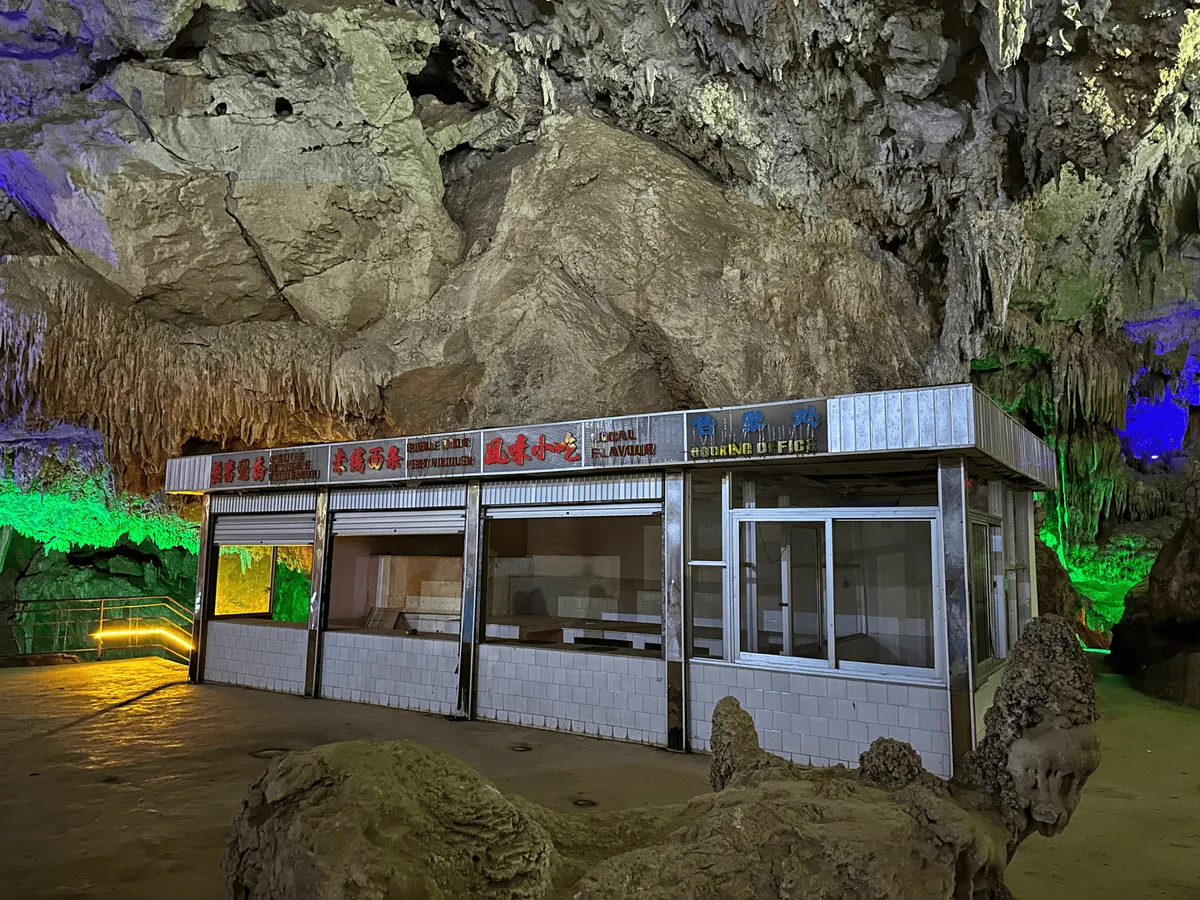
{"type": "Point", "coordinates": [395, 819]}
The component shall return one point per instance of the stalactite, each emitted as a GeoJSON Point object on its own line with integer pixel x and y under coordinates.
{"type": "Point", "coordinates": [1087, 372]}
{"type": "Point", "coordinates": [22, 335]}
{"type": "Point", "coordinates": [148, 387]}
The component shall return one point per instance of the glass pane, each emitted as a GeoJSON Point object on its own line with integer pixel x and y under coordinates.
{"type": "Point", "coordinates": [587, 583]}
{"type": "Point", "coordinates": [705, 587]}
{"type": "Point", "coordinates": [782, 590]}
{"type": "Point", "coordinates": [705, 514]}
{"type": "Point", "coordinates": [243, 581]}
{"type": "Point", "coordinates": [883, 592]}
{"type": "Point", "coordinates": [977, 493]}
{"type": "Point", "coordinates": [832, 486]}
{"type": "Point", "coordinates": [979, 555]}
{"type": "Point", "coordinates": [293, 583]}
{"type": "Point", "coordinates": [399, 584]}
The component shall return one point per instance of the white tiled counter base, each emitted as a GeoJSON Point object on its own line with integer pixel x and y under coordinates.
{"type": "Point", "coordinates": [390, 670]}
{"type": "Point", "coordinates": [821, 720]}
{"type": "Point", "coordinates": [606, 695]}
{"type": "Point", "coordinates": [266, 655]}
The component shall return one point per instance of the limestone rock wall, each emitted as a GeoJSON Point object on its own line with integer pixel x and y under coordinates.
{"type": "Point", "coordinates": [238, 222]}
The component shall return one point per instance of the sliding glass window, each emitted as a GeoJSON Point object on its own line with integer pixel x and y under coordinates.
{"type": "Point", "coordinates": [851, 589]}
{"type": "Point", "coordinates": [399, 584]}
{"type": "Point", "coordinates": [883, 592]}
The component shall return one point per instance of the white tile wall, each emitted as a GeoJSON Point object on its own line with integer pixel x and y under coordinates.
{"type": "Point", "coordinates": [985, 693]}
{"type": "Point", "coordinates": [601, 694]}
{"type": "Point", "coordinates": [257, 654]}
{"type": "Point", "coordinates": [823, 720]}
{"type": "Point", "coordinates": [391, 670]}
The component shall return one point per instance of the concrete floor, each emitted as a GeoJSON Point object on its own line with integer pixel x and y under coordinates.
{"type": "Point", "coordinates": [134, 801]}
{"type": "Point", "coordinates": [104, 797]}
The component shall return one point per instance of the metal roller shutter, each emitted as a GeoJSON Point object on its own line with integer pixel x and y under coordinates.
{"type": "Point", "coordinates": [265, 502]}
{"type": "Point", "coordinates": [400, 522]}
{"type": "Point", "coordinates": [429, 496]}
{"type": "Point", "coordinates": [623, 488]}
{"type": "Point", "coordinates": [574, 512]}
{"type": "Point", "coordinates": [276, 528]}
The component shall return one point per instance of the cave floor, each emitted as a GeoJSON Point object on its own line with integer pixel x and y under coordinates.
{"type": "Point", "coordinates": [105, 795]}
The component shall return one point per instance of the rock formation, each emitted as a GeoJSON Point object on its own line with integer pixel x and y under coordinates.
{"type": "Point", "coordinates": [1039, 746]}
{"type": "Point", "coordinates": [1158, 641]}
{"type": "Point", "coordinates": [333, 217]}
{"type": "Point", "coordinates": [1058, 595]}
{"type": "Point", "coordinates": [397, 819]}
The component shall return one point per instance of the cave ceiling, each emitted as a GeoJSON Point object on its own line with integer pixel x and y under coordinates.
{"type": "Point", "coordinates": [233, 224]}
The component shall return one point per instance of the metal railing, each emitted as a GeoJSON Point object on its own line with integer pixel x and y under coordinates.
{"type": "Point", "coordinates": [96, 629]}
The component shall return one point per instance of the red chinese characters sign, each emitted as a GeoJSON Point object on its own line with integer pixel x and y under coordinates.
{"type": "Point", "coordinates": [555, 448]}
{"type": "Point", "coordinates": [368, 461]}
{"type": "Point", "coordinates": [240, 470]}
{"type": "Point", "coordinates": [259, 468]}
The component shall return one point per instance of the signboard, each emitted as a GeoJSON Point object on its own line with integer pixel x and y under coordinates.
{"type": "Point", "coordinates": [767, 431]}
{"type": "Point", "coordinates": [539, 448]}
{"type": "Point", "coordinates": [366, 461]}
{"type": "Point", "coordinates": [298, 465]}
{"type": "Point", "coordinates": [239, 470]}
{"type": "Point", "coordinates": [633, 441]}
{"type": "Point", "coordinates": [443, 455]}
{"type": "Point", "coordinates": [262, 468]}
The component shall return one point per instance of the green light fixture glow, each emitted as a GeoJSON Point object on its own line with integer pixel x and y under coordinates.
{"type": "Point", "coordinates": [1103, 575]}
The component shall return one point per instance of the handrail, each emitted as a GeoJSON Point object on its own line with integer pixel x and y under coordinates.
{"type": "Point", "coordinates": [90, 626]}
{"type": "Point", "coordinates": [176, 604]}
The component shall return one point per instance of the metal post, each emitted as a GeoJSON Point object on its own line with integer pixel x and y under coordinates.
{"type": "Point", "coordinates": [206, 578]}
{"type": "Point", "coordinates": [785, 581]}
{"type": "Point", "coordinates": [471, 622]}
{"type": "Point", "coordinates": [673, 615]}
{"type": "Point", "coordinates": [952, 501]}
{"type": "Point", "coordinates": [1011, 571]}
{"type": "Point", "coordinates": [731, 577]}
{"type": "Point", "coordinates": [318, 598]}
{"type": "Point", "coordinates": [827, 607]}
{"type": "Point", "coordinates": [785, 589]}
{"type": "Point", "coordinates": [1024, 531]}
{"type": "Point", "coordinates": [748, 569]}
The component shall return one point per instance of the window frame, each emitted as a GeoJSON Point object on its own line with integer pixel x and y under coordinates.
{"type": "Point", "coordinates": [650, 509]}
{"type": "Point", "coordinates": [831, 664]}
{"type": "Point", "coordinates": [269, 615]}
{"type": "Point", "coordinates": [691, 563]}
{"type": "Point", "coordinates": [998, 602]}
{"type": "Point", "coordinates": [434, 527]}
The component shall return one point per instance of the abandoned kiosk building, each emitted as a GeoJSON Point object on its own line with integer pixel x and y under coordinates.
{"type": "Point", "coordinates": [848, 567]}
